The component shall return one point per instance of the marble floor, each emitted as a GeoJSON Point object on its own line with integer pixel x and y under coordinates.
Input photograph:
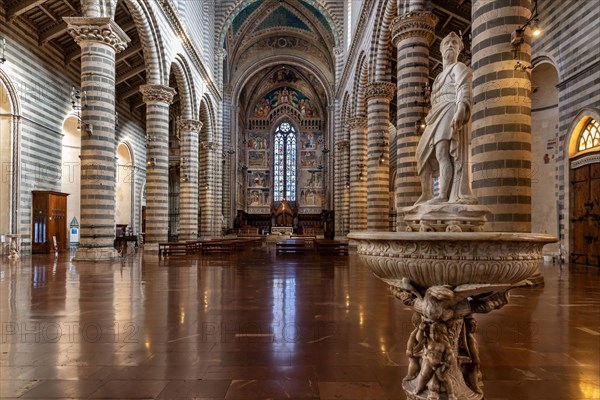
{"type": "Point", "coordinates": [256, 325]}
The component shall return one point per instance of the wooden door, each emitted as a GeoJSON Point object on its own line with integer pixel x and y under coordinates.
{"type": "Point", "coordinates": [585, 186]}
{"type": "Point", "coordinates": [49, 221]}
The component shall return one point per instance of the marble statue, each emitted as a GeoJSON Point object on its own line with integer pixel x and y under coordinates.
{"type": "Point", "coordinates": [442, 149]}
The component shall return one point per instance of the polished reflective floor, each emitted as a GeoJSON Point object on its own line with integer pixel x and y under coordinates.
{"type": "Point", "coordinates": [256, 325]}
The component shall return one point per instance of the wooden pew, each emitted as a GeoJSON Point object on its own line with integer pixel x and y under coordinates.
{"type": "Point", "coordinates": [331, 247]}
{"type": "Point", "coordinates": [290, 246]}
{"type": "Point", "coordinates": [172, 248]}
{"type": "Point", "coordinates": [218, 246]}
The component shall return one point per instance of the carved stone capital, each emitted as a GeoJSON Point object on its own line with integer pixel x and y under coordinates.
{"type": "Point", "coordinates": [221, 53]}
{"type": "Point", "coordinates": [382, 90]}
{"type": "Point", "coordinates": [343, 145]}
{"type": "Point", "coordinates": [357, 123]}
{"type": "Point", "coordinates": [97, 29]}
{"type": "Point", "coordinates": [189, 125]}
{"type": "Point", "coordinates": [414, 25]}
{"type": "Point", "coordinates": [157, 93]}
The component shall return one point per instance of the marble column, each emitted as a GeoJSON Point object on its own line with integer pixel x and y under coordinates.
{"type": "Point", "coordinates": [229, 157]}
{"type": "Point", "coordinates": [412, 34]}
{"type": "Point", "coordinates": [357, 178]}
{"type": "Point", "coordinates": [344, 149]}
{"type": "Point", "coordinates": [501, 119]}
{"type": "Point", "coordinates": [189, 131]}
{"type": "Point", "coordinates": [378, 96]}
{"type": "Point", "coordinates": [208, 192]}
{"type": "Point", "coordinates": [100, 38]}
{"type": "Point", "coordinates": [157, 99]}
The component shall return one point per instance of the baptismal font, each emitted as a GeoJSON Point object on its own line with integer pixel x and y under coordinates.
{"type": "Point", "coordinates": [444, 266]}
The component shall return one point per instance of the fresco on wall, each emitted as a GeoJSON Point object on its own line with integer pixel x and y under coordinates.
{"type": "Point", "coordinates": [258, 179]}
{"type": "Point", "coordinates": [308, 158]}
{"type": "Point", "coordinates": [257, 158]}
{"type": "Point", "coordinates": [312, 178]}
{"type": "Point", "coordinates": [258, 197]}
{"type": "Point", "coordinates": [311, 141]}
{"type": "Point", "coordinates": [284, 75]}
{"type": "Point", "coordinates": [257, 141]}
{"type": "Point", "coordinates": [311, 197]}
{"type": "Point", "coordinates": [284, 95]}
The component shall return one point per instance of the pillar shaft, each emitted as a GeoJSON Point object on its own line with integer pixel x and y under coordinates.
{"type": "Point", "coordinates": [412, 34]}
{"type": "Point", "coordinates": [188, 207]}
{"type": "Point", "coordinates": [100, 39]}
{"type": "Point", "coordinates": [157, 99]}
{"type": "Point", "coordinates": [344, 217]}
{"type": "Point", "coordinates": [501, 119]}
{"type": "Point", "coordinates": [357, 178]}
{"type": "Point", "coordinates": [208, 189]}
{"type": "Point", "coordinates": [378, 96]}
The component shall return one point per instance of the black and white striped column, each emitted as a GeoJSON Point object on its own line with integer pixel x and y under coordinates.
{"type": "Point", "coordinates": [378, 95]}
{"type": "Point", "coordinates": [157, 99]}
{"type": "Point", "coordinates": [501, 119]}
{"type": "Point", "coordinates": [189, 131]}
{"type": "Point", "coordinates": [358, 175]}
{"type": "Point", "coordinates": [100, 38]}
{"type": "Point", "coordinates": [412, 34]}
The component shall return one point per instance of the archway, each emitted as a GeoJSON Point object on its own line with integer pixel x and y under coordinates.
{"type": "Point", "coordinates": [544, 149]}
{"type": "Point", "coordinates": [71, 171]}
{"type": "Point", "coordinates": [5, 161]}
{"type": "Point", "coordinates": [124, 189]}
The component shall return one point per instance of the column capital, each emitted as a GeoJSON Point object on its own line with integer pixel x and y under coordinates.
{"type": "Point", "coordinates": [97, 29]}
{"type": "Point", "coordinates": [357, 123]}
{"type": "Point", "coordinates": [343, 144]}
{"type": "Point", "coordinates": [382, 90]}
{"type": "Point", "coordinates": [157, 93]}
{"type": "Point", "coordinates": [189, 125]}
{"type": "Point", "coordinates": [418, 24]}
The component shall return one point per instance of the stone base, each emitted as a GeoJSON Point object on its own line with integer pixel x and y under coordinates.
{"type": "Point", "coordinates": [445, 217]}
{"type": "Point", "coordinates": [96, 254]}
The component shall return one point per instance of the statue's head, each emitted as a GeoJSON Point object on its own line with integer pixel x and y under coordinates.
{"type": "Point", "coordinates": [455, 40]}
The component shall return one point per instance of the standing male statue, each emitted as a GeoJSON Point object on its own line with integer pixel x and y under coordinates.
{"type": "Point", "coordinates": [443, 149]}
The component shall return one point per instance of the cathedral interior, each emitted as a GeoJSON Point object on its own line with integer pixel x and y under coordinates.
{"type": "Point", "coordinates": [179, 178]}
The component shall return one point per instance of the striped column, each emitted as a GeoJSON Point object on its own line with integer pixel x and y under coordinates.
{"type": "Point", "coordinates": [208, 189]}
{"type": "Point", "coordinates": [412, 34]}
{"type": "Point", "coordinates": [357, 178]}
{"type": "Point", "coordinates": [344, 149]}
{"type": "Point", "coordinates": [189, 130]}
{"type": "Point", "coordinates": [501, 119]}
{"type": "Point", "coordinates": [378, 95]}
{"type": "Point", "coordinates": [100, 38]}
{"type": "Point", "coordinates": [157, 99]}
{"type": "Point", "coordinates": [229, 154]}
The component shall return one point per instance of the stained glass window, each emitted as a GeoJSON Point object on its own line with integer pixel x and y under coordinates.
{"type": "Point", "coordinates": [590, 137]}
{"type": "Point", "coordinates": [284, 163]}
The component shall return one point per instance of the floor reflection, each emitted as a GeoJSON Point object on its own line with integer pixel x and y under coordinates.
{"type": "Point", "coordinates": [257, 325]}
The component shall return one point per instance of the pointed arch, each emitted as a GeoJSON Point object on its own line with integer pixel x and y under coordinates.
{"type": "Point", "coordinates": [380, 60]}
{"type": "Point", "coordinates": [360, 81]}
{"type": "Point", "coordinates": [578, 124]}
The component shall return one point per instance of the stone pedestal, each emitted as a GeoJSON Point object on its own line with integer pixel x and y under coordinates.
{"type": "Point", "coordinates": [445, 217]}
{"type": "Point", "coordinates": [446, 278]}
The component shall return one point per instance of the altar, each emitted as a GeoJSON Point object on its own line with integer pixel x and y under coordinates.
{"type": "Point", "coordinates": [282, 230]}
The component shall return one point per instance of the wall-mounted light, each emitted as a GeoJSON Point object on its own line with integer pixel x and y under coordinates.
{"type": "Point", "coordinates": [382, 158]}
{"type": "Point", "coordinates": [185, 178]}
{"type": "Point", "coordinates": [78, 101]}
{"type": "Point", "coordinates": [151, 162]}
{"type": "Point", "coordinates": [518, 36]}
{"type": "Point", "coordinates": [361, 176]}
{"type": "Point", "coordinates": [522, 67]}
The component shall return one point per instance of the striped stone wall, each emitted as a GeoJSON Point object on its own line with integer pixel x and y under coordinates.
{"type": "Point", "coordinates": [570, 39]}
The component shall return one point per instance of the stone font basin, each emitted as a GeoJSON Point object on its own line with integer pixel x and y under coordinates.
{"type": "Point", "coordinates": [451, 258]}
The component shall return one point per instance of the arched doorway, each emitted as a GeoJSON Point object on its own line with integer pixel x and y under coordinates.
{"type": "Point", "coordinates": [584, 152]}
{"type": "Point", "coordinates": [5, 161]}
{"type": "Point", "coordinates": [71, 173]}
{"type": "Point", "coordinates": [124, 190]}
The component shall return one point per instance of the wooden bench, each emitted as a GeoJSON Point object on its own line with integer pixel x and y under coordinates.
{"type": "Point", "coordinates": [172, 248]}
{"type": "Point", "coordinates": [290, 246]}
{"type": "Point", "coordinates": [331, 247]}
{"type": "Point", "coordinates": [218, 246]}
